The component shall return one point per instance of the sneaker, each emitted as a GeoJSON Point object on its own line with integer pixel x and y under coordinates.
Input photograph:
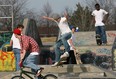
{"type": "Point", "coordinates": [63, 61]}
{"type": "Point", "coordinates": [39, 72]}
{"type": "Point", "coordinates": [55, 64]}
{"type": "Point", "coordinates": [65, 55]}
{"type": "Point", "coordinates": [104, 44]}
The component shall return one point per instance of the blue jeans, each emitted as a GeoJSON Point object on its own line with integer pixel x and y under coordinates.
{"type": "Point", "coordinates": [30, 62]}
{"type": "Point", "coordinates": [17, 58]}
{"type": "Point", "coordinates": [101, 31]}
{"type": "Point", "coordinates": [62, 41]}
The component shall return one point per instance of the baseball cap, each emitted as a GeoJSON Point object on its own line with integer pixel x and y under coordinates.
{"type": "Point", "coordinates": [17, 31]}
{"type": "Point", "coordinates": [71, 27]}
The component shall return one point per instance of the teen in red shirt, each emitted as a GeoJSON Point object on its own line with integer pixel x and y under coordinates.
{"type": "Point", "coordinates": [28, 44]}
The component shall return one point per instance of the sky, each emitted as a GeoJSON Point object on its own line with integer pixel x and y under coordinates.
{"type": "Point", "coordinates": [57, 6]}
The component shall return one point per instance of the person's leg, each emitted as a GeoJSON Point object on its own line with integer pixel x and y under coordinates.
{"type": "Point", "coordinates": [68, 59]}
{"type": "Point", "coordinates": [98, 35]}
{"type": "Point", "coordinates": [97, 30]}
{"type": "Point", "coordinates": [72, 55]}
{"type": "Point", "coordinates": [103, 35]}
{"type": "Point", "coordinates": [17, 58]}
{"type": "Point", "coordinates": [64, 39]}
{"type": "Point", "coordinates": [30, 62]}
{"type": "Point", "coordinates": [57, 50]}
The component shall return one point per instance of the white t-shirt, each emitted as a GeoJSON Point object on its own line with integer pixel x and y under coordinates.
{"type": "Point", "coordinates": [16, 43]}
{"type": "Point", "coordinates": [63, 26]}
{"type": "Point", "coordinates": [99, 16]}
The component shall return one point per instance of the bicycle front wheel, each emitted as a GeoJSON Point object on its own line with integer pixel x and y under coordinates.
{"type": "Point", "coordinates": [50, 76]}
{"type": "Point", "coordinates": [17, 77]}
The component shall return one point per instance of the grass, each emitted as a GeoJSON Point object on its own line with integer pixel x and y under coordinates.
{"type": "Point", "coordinates": [48, 39]}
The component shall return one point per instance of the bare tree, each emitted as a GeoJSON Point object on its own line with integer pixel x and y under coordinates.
{"type": "Point", "coordinates": [108, 5]}
{"type": "Point", "coordinates": [31, 14]}
{"type": "Point", "coordinates": [47, 11]}
{"type": "Point", "coordinates": [69, 13]}
{"type": "Point", "coordinates": [19, 6]}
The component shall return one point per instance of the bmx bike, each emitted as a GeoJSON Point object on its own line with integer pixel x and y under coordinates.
{"type": "Point", "coordinates": [27, 73]}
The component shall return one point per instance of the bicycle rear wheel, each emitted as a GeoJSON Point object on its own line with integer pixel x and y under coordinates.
{"type": "Point", "coordinates": [50, 76]}
{"type": "Point", "coordinates": [17, 77]}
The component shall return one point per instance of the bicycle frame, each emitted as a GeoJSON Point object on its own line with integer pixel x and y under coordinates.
{"type": "Point", "coordinates": [26, 73]}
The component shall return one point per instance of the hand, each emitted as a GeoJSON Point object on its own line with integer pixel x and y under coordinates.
{"type": "Point", "coordinates": [21, 63]}
{"type": "Point", "coordinates": [44, 17]}
{"type": "Point", "coordinates": [103, 21]}
{"type": "Point", "coordinates": [73, 47]}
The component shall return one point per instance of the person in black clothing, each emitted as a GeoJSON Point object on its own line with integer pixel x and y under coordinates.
{"type": "Point", "coordinates": [71, 59]}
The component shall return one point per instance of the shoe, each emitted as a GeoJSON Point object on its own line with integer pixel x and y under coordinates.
{"type": "Point", "coordinates": [104, 44]}
{"type": "Point", "coordinates": [39, 72]}
{"type": "Point", "coordinates": [55, 64]}
{"type": "Point", "coordinates": [63, 61]}
{"type": "Point", "coordinates": [65, 55]}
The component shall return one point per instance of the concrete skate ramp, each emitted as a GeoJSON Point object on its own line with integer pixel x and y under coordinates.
{"type": "Point", "coordinates": [31, 29]}
{"type": "Point", "coordinates": [72, 72]}
{"type": "Point", "coordinates": [86, 42]}
{"type": "Point", "coordinates": [88, 38]}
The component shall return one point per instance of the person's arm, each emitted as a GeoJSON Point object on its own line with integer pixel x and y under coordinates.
{"type": "Point", "coordinates": [71, 44]}
{"type": "Point", "coordinates": [24, 46]}
{"type": "Point", "coordinates": [93, 18]}
{"type": "Point", "coordinates": [65, 15]}
{"type": "Point", "coordinates": [105, 18]}
{"type": "Point", "coordinates": [48, 18]}
{"type": "Point", "coordinates": [11, 42]}
{"type": "Point", "coordinates": [22, 55]}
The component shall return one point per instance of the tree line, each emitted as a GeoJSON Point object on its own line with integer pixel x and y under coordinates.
{"type": "Point", "coordinates": [80, 17]}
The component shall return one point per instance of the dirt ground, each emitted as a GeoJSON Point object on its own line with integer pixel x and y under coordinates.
{"type": "Point", "coordinates": [48, 39]}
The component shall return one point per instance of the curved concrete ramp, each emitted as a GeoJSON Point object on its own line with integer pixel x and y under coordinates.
{"type": "Point", "coordinates": [72, 72]}
{"type": "Point", "coordinates": [31, 29]}
{"type": "Point", "coordinates": [88, 38]}
{"type": "Point", "coordinates": [86, 41]}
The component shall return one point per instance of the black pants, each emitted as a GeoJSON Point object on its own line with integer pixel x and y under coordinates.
{"type": "Point", "coordinates": [71, 59]}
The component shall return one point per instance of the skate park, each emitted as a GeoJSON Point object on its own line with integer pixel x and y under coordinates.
{"type": "Point", "coordinates": [85, 43]}
{"type": "Point", "coordinates": [98, 61]}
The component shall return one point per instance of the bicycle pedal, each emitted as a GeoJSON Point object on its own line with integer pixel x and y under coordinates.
{"type": "Point", "coordinates": [61, 65]}
{"type": "Point", "coordinates": [40, 76]}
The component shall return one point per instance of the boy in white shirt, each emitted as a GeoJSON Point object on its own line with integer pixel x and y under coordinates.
{"type": "Point", "coordinates": [99, 17]}
{"type": "Point", "coordinates": [14, 42]}
{"type": "Point", "coordinates": [65, 35]}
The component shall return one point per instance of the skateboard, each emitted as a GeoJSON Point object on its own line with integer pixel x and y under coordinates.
{"type": "Point", "coordinates": [98, 39]}
{"type": "Point", "coordinates": [77, 57]}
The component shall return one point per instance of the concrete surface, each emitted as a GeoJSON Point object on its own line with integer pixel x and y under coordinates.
{"type": "Point", "coordinates": [85, 42]}
{"type": "Point", "coordinates": [70, 71]}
